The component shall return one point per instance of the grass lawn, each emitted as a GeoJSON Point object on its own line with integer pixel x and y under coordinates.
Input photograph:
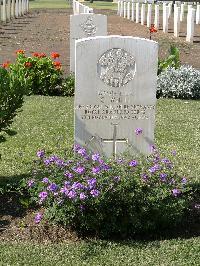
{"type": "Point", "coordinates": [47, 122]}
{"type": "Point", "coordinates": [180, 252]}
{"type": "Point", "coordinates": [101, 5]}
{"type": "Point", "coordinates": [49, 4]}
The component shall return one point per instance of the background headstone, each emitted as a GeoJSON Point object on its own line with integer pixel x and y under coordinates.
{"type": "Point", "coordinates": [115, 94]}
{"type": "Point", "coordinates": [83, 26]}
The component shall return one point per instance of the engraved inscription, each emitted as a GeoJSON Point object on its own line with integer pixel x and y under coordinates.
{"type": "Point", "coordinates": [115, 111]}
{"type": "Point", "coordinates": [116, 67]}
{"type": "Point", "coordinates": [89, 27]}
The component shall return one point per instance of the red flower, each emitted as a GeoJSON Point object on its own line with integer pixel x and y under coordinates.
{"type": "Point", "coordinates": [28, 64]}
{"type": "Point", "coordinates": [6, 64]}
{"type": "Point", "coordinates": [55, 55]}
{"type": "Point", "coordinates": [20, 52]}
{"type": "Point", "coordinates": [57, 65]}
{"type": "Point", "coordinates": [152, 29]}
{"type": "Point", "coordinates": [36, 54]}
{"type": "Point", "coordinates": [42, 55]}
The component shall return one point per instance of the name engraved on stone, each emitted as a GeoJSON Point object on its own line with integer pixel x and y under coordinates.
{"type": "Point", "coordinates": [115, 112]}
{"type": "Point", "coordinates": [89, 27]}
{"type": "Point", "coordinates": [111, 96]}
{"type": "Point", "coordinates": [116, 67]}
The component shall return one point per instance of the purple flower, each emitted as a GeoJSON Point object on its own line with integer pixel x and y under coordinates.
{"type": "Point", "coordinates": [40, 153]}
{"type": "Point", "coordinates": [154, 168]}
{"type": "Point", "coordinates": [175, 192]}
{"type": "Point", "coordinates": [92, 182]}
{"type": "Point", "coordinates": [77, 185]}
{"type": "Point", "coordinates": [52, 187]}
{"type": "Point", "coordinates": [95, 157]}
{"type": "Point", "coordinates": [120, 161]}
{"type": "Point", "coordinates": [197, 206]}
{"type": "Point", "coordinates": [82, 196]}
{"type": "Point", "coordinates": [184, 180]}
{"type": "Point", "coordinates": [42, 196]}
{"type": "Point", "coordinates": [47, 162]}
{"type": "Point", "coordinates": [76, 147]}
{"type": "Point", "coordinates": [38, 218]}
{"type": "Point", "coordinates": [133, 163]}
{"type": "Point", "coordinates": [68, 174]}
{"type": "Point", "coordinates": [105, 167]}
{"type": "Point", "coordinates": [31, 183]}
{"type": "Point", "coordinates": [82, 151]}
{"type": "Point", "coordinates": [82, 207]}
{"type": "Point", "coordinates": [59, 162]}
{"type": "Point", "coordinates": [152, 148]}
{"type": "Point", "coordinates": [79, 170]}
{"type": "Point", "coordinates": [95, 193]}
{"type": "Point", "coordinates": [64, 190]}
{"type": "Point", "coordinates": [165, 160]}
{"type": "Point", "coordinates": [163, 177]}
{"type": "Point", "coordinates": [138, 131]}
{"type": "Point", "coordinates": [96, 170]}
{"type": "Point", "coordinates": [72, 194]}
{"type": "Point", "coordinates": [45, 180]}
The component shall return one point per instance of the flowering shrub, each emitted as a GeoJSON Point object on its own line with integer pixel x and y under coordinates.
{"type": "Point", "coordinates": [108, 196]}
{"type": "Point", "coordinates": [11, 97]}
{"type": "Point", "coordinates": [182, 83]}
{"type": "Point", "coordinates": [40, 73]}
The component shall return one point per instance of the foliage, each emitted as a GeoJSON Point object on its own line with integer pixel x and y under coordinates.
{"type": "Point", "coordinates": [173, 60]}
{"type": "Point", "coordinates": [109, 197]}
{"type": "Point", "coordinates": [68, 86]}
{"type": "Point", "coordinates": [39, 73]}
{"type": "Point", "coordinates": [182, 83]}
{"type": "Point", "coordinates": [11, 98]}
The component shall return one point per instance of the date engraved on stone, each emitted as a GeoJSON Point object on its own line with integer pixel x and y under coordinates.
{"type": "Point", "coordinates": [116, 67]}
{"type": "Point", "coordinates": [89, 27]}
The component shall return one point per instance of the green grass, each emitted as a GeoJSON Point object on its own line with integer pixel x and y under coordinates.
{"type": "Point", "coordinates": [175, 252]}
{"type": "Point", "coordinates": [47, 122]}
{"type": "Point", "coordinates": [49, 4]}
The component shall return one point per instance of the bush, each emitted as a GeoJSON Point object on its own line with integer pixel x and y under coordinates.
{"type": "Point", "coordinates": [11, 97]}
{"type": "Point", "coordinates": [104, 197]}
{"type": "Point", "coordinates": [182, 83]}
{"type": "Point", "coordinates": [68, 86]}
{"type": "Point", "coordinates": [41, 74]}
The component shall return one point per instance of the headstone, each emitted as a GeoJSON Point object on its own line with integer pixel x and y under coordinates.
{"type": "Point", "coordinates": [17, 8]}
{"type": "Point", "coordinates": [143, 14]}
{"type": "Point", "coordinates": [125, 9]}
{"type": "Point", "coordinates": [83, 26]}
{"type": "Point", "coordinates": [149, 15]}
{"type": "Point", "coordinates": [115, 94]}
{"type": "Point", "coordinates": [156, 19]}
{"type": "Point", "coordinates": [121, 8]}
{"type": "Point", "coordinates": [13, 9]}
{"type": "Point", "coordinates": [128, 10]}
{"type": "Point", "coordinates": [8, 10]}
{"type": "Point", "coordinates": [133, 11]}
{"type": "Point", "coordinates": [182, 11]}
{"type": "Point", "coordinates": [4, 15]}
{"type": "Point", "coordinates": [177, 12]}
{"type": "Point", "coordinates": [165, 18]}
{"type": "Point", "coordinates": [137, 12]}
{"type": "Point", "coordinates": [190, 25]}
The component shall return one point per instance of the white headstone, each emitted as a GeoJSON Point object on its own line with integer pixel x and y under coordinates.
{"type": "Point", "coordinates": [4, 15]}
{"type": "Point", "coordinates": [125, 4]}
{"type": "Point", "coordinates": [133, 11]}
{"type": "Point", "coordinates": [8, 10]}
{"type": "Point", "coordinates": [12, 8]}
{"type": "Point", "coordinates": [121, 8]}
{"type": "Point", "coordinates": [190, 25]}
{"type": "Point", "coordinates": [128, 10]}
{"type": "Point", "coordinates": [177, 12]}
{"type": "Point", "coordinates": [182, 11]}
{"type": "Point", "coordinates": [83, 26]}
{"type": "Point", "coordinates": [143, 14]}
{"type": "Point", "coordinates": [17, 8]}
{"type": "Point", "coordinates": [165, 18]}
{"type": "Point", "coordinates": [149, 15]}
{"type": "Point", "coordinates": [115, 95]}
{"type": "Point", "coordinates": [156, 19]}
{"type": "Point", "coordinates": [137, 11]}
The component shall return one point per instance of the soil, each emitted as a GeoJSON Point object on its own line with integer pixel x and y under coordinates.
{"type": "Point", "coordinates": [48, 31]}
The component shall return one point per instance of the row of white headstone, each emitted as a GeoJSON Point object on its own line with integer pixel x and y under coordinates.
{"type": "Point", "coordinates": [131, 10]}
{"type": "Point", "coordinates": [10, 9]}
{"type": "Point", "coordinates": [79, 8]}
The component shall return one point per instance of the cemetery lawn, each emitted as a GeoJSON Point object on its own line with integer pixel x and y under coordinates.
{"type": "Point", "coordinates": [49, 4]}
{"type": "Point", "coordinates": [182, 252]}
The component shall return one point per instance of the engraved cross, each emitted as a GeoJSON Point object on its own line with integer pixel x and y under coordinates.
{"type": "Point", "coordinates": [114, 140]}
